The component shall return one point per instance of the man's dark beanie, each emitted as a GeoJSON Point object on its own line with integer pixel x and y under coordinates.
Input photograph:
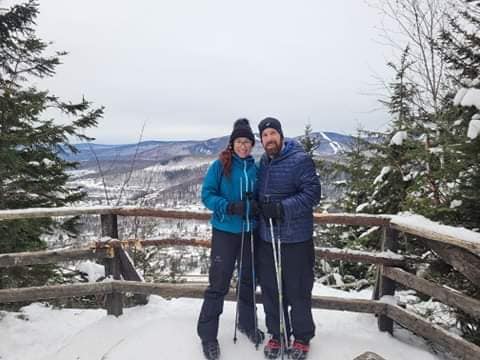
{"type": "Point", "coordinates": [270, 122]}
{"type": "Point", "coordinates": [241, 128]}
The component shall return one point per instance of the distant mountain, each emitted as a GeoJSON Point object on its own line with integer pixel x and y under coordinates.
{"type": "Point", "coordinates": [331, 143]}
{"type": "Point", "coordinates": [157, 151]}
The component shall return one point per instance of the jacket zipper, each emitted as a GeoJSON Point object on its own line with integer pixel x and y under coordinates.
{"type": "Point", "coordinates": [267, 233]}
{"type": "Point", "coordinates": [246, 191]}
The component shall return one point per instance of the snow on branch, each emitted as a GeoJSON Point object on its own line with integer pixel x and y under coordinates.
{"type": "Point", "coordinates": [473, 129]}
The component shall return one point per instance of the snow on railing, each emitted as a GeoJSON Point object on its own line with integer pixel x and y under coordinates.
{"type": "Point", "coordinates": [423, 227]}
{"type": "Point", "coordinates": [409, 223]}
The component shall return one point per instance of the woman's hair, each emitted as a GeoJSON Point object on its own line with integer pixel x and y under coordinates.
{"type": "Point", "coordinates": [225, 158]}
{"type": "Point", "coordinates": [241, 128]}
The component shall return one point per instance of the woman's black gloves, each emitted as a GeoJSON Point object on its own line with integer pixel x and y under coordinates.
{"type": "Point", "coordinates": [240, 208]}
{"type": "Point", "coordinates": [271, 210]}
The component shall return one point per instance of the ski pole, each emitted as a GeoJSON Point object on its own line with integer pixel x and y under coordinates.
{"type": "Point", "coordinates": [280, 270]}
{"type": "Point", "coordinates": [279, 288]}
{"type": "Point", "coordinates": [239, 270]}
{"type": "Point", "coordinates": [239, 273]}
{"type": "Point", "coordinates": [254, 288]}
{"type": "Point", "coordinates": [254, 283]}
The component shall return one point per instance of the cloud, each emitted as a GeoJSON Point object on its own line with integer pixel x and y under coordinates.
{"type": "Point", "coordinates": [191, 68]}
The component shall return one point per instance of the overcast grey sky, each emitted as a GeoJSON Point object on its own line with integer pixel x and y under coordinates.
{"type": "Point", "coordinates": [190, 68]}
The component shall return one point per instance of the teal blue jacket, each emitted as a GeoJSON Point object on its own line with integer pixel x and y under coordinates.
{"type": "Point", "coordinates": [218, 190]}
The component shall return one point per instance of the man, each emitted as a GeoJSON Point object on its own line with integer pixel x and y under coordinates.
{"type": "Point", "coordinates": [288, 190]}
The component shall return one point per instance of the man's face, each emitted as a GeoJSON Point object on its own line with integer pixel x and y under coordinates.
{"type": "Point", "coordinates": [271, 141]}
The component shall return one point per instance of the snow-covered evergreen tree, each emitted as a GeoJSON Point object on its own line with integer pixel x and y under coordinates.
{"type": "Point", "coordinates": [427, 162]}
{"type": "Point", "coordinates": [461, 49]}
{"type": "Point", "coordinates": [460, 46]}
{"type": "Point", "coordinates": [309, 142]}
{"type": "Point", "coordinates": [32, 173]}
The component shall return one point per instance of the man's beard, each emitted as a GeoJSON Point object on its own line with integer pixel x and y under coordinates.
{"type": "Point", "coordinates": [273, 151]}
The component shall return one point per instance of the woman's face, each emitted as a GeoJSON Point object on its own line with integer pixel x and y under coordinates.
{"type": "Point", "coordinates": [242, 147]}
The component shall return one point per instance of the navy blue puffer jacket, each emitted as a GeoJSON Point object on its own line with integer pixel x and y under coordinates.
{"type": "Point", "coordinates": [290, 178]}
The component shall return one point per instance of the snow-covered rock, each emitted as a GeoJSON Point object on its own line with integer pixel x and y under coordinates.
{"type": "Point", "coordinates": [94, 271]}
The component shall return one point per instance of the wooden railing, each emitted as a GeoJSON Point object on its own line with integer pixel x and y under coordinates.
{"type": "Point", "coordinates": [461, 251]}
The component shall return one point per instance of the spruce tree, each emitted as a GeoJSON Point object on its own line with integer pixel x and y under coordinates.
{"type": "Point", "coordinates": [308, 141]}
{"type": "Point", "coordinates": [460, 46]}
{"type": "Point", "coordinates": [381, 167]}
{"type": "Point", "coordinates": [32, 171]}
{"type": "Point", "coordinates": [427, 162]}
{"type": "Point", "coordinates": [381, 164]}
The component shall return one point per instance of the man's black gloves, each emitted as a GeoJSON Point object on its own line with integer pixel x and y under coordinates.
{"type": "Point", "coordinates": [273, 210]}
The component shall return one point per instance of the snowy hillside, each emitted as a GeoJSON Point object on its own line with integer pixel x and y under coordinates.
{"type": "Point", "coordinates": [330, 143]}
{"type": "Point", "coordinates": [167, 330]}
{"type": "Point", "coordinates": [165, 172]}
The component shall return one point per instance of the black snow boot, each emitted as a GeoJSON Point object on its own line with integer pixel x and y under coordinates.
{"type": "Point", "coordinates": [255, 337]}
{"type": "Point", "coordinates": [211, 350]}
{"type": "Point", "coordinates": [299, 350]}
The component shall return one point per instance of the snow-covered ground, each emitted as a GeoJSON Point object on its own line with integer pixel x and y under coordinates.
{"type": "Point", "coordinates": [166, 329]}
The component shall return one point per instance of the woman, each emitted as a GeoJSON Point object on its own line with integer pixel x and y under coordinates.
{"type": "Point", "coordinates": [227, 191]}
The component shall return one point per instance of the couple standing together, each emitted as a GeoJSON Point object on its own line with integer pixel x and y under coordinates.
{"type": "Point", "coordinates": [263, 220]}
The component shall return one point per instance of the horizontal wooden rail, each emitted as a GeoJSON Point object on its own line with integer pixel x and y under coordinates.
{"type": "Point", "coordinates": [351, 219]}
{"type": "Point", "coordinates": [163, 213]}
{"type": "Point", "coordinates": [446, 296]}
{"type": "Point", "coordinates": [353, 305]}
{"type": "Point", "coordinates": [197, 291]}
{"type": "Point", "coordinates": [97, 251]}
{"type": "Point", "coordinates": [415, 225]}
{"type": "Point", "coordinates": [100, 251]}
{"type": "Point", "coordinates": [167, 290]}
{"type": "Point", "coordinates": [102, 210]}
{"type": "Point", "coordinates": [176, 242]}
{"type": "Point", "coordinates": [454, 343]}
{"type": "Point", "coordinates": [50, 256]}
{"type": "Point", "coordinates": [51, 212]}
{"type": "Point", "coordinates": [424, 228]}
{"type": "Point", "coordinates": [341, 219]}
{"type": "Point", "coordinates": [53, 292]}
{"type": "Point", "coordinates": [384, 258]}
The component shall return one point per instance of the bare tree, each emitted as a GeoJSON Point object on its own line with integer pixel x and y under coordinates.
{"type": "Point", "coordinates": [418, 24]}
{"type": "Point", "coordinates": [132, 165]}
{"type": "Point", "coordinates": [101, 173]}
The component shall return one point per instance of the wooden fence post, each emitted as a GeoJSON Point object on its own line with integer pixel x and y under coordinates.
{"type": "Point", "coordinates": [114, 301]}
{"type": "Point", "coordinates": [130, 273]}
{"type": "Point", "coordinates": [386, 286]}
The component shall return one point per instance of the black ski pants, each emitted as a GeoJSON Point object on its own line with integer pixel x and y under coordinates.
{"type": "Point", "coordinates": [298, 260]}
{"type": "Point", "coordinates": [225, 251]}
